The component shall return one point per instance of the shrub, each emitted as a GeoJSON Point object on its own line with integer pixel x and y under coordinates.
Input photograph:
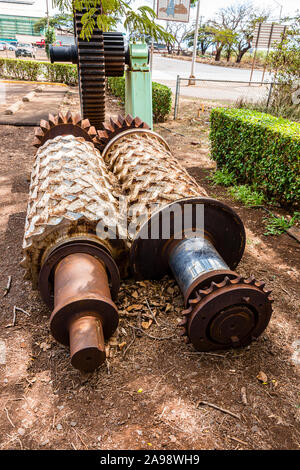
{"type": "Point", "coordinates": [161, 97]}
{"type": "Point", "coordinates": [222, 177]}
{"type": "Point", "coordinates": [278, 225]}
{"type": "Point", "coordinates": [260, 150]}
{"type": "Point", "coordinates": [34, 70]}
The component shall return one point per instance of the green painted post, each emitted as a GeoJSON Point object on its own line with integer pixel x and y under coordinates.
{"type": "Point", "coordinates": [138, 87]}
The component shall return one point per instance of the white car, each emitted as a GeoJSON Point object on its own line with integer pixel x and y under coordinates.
{"type": "Point", "coordinates": [10, 46]}
{"type": "Point", "coordinates": [3, 46]}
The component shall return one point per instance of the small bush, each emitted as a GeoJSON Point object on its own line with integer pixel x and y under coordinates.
{"type": "Point", "coordinates": [34, 70]}
{"type": "Point", "coordinates": [260, 150]}
{"type": "Point", "coordinates": [161, 101]}
{"type": "Point", "coordinates": [161, 96]}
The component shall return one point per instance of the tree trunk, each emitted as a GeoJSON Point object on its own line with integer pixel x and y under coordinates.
{"type": "Point", "coordinates": [241, 53]}
{"type": "Point", "coordinates": [218, 53]}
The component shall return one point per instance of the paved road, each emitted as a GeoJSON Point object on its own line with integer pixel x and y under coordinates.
{"type": "Point", "coordinates": [166, 71]}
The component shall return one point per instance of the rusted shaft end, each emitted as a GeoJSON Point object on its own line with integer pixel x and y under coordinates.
{"type": "Point", "coordinates": [86, 343]}
{"type": "Point", "coordinates": [84, 314]}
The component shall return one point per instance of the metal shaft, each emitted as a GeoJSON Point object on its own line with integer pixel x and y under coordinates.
{"type": "Point", "coordinates": [80, 279]}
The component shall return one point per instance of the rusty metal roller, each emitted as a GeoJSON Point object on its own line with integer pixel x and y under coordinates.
{"type": "Point", "coordinates": [222, 309]}
{"type": "Point", "coordinates": [72, 241]}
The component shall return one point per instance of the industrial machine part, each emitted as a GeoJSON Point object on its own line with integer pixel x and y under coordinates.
{"type": "Point", "coordinates": [73, 241]}
{"type": "Point", "coordinates": [223, 309]}
{"type": "Point", "coordinates": [138, 83]}
{"type": "Point", "coordinates": [103, 55]}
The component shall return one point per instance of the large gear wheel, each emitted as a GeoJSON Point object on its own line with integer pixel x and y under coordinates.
{"type": "Point", "coordinates": [109, 129]}
{"type": "Point", "coordinates": [91, 72]}
{"type": "Point", "coordinates": [227, 314]}
{"type": "Point", "coordinates": [64, 124]}
{"type": "Point", "coordinates": [114, 54]}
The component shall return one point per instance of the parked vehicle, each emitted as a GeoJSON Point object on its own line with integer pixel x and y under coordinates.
{"type": "Point", "coordinates": [25, 50]}
{"type": "Point", "coordinates": [40, 43]}
{"type": "Point", "coordinates": [10, 47]}
{"type": "Point", "coordinates": [3, 46]}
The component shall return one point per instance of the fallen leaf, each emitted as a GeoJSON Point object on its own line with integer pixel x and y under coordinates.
{"type": "Point", "coordinates": [135, 294]}
{"type": "Point", "coordinates": [121, 345]}
{"type": "Point", "coordinates": [134, 307]}
{"type": "Point", "coordinates": [147, 324]}
{"type": "Point", "coordinates": [262, 377]}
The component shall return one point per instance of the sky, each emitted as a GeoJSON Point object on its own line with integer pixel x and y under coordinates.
{"type": "Point", "coordinates": [209, 7]}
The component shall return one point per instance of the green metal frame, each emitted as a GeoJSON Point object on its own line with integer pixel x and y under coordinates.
{"type": "Point", "coordinates": [138, 84]}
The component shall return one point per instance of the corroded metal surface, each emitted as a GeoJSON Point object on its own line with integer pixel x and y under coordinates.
{"type": "Point", "coordinates": [84, 314]}
{"type": "Point", "coordinates": [64, 124]}
{"type": "Point", "coordinates": [110, 129]}
{"type": "Point", "coordinates": [91, 71]}
{"type": "Point", "coordinates": [71, 191]}
{"type": "Point", "coordinates": [230, 313]}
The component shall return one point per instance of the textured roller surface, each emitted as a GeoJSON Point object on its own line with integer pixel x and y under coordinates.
{"type": "Point", "coordinates": [148, 173]}
{"type": "Point", "coordinates": [71, 191]}
{"type": "Point", "coordinates": [91, 71]}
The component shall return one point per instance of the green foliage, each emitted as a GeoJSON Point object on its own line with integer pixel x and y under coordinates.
{"type": "Point", "coordinates": [223, 177]}
{"type": "Point", "coordinates": [284, 63]}
{"type": "Point", "coordinates": [284, 110]}
{"type": "Point", "coordinates": [278, 225]}
{"type": "Point", "coordinates": [161, 101]}
{"type": "Point", "coordinates": [108, 13]}
{"type": "Point", "coordinates": [260, 150]}
{"type": "Point", "coordinates": [49, 38]}
{"type": "Point", "coordinates": [59, 21]}
{"type": "Point", "coordinates": [247, 195]}
{"type": "Point", "coordinates": [161, 96]}
{"type": "Point", "coordinates": [20, 69]}
{"type": "Point", "coordinates": [33, 70]}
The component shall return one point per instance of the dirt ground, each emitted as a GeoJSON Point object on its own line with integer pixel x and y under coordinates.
{"type": "Point", "coordinates": [147, 394]}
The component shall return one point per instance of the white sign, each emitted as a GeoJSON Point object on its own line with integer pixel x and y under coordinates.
{"type": "Point", "coordinates": [266, 34]}
{"type": "Point", "coordinates": [173, 10]}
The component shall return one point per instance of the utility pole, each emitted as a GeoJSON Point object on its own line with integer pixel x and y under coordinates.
{"type": "Point", "coordinates": [47, 13]}
{"type": "Point", "coordinates": [192, 76]}
{"type": "Point", "coordinates": [152, 44]}
{"type": "Point", "coordinates": [281, 7]}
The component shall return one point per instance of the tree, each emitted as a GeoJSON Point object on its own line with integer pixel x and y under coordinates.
{"type": "Point", "coordinates": [178, 31]}
{"type": "Point", "coordinates": [62, 21]}
{"type": "Point", "coordinates": [284, 62]}
{"type": "Point", "coordinates": [49, 38]}
{"type": "Point", "coordinates": [235, 26]}
{"type": "Point", "coordinates": [204, 40]}
{"type": "Point", "coordinates": [107, 14]}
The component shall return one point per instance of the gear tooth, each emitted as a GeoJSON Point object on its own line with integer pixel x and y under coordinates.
{"type": "Point", "coordinates": [260, 284]}
{"type": "Point", "coordinates": [60, 118]}
{"type": "Point", "coordinates": [38, 132]}
{"type": "Point", "coordinates": [92, 131]}
{"type": "Point", "coordinates": [227, 280]}
{"type": "Point", "coordinates": [36, 142]}
{"type": "Point", "coordinates": [121, 120]}
{"type": "Point", "coordinates": [214, 285]}
{"type": "Point", "coordinates": [235, 280]}
{"type": "Point", "coordinates": [267, 292]}
{"type": "Point", "coordinates": [76, 119]}
{"type": "Point", "coordinates": [85, 123]}
{"type": "Point", "coordinates": [129, 119]}
{"type": "Point", "coordinates": [52, 120]}
{"type": "Point", "coordinates": [137, 122]}
{"type": "Point", "coordinates": [187, 311]}
{"type": "Point", "coordinates": [44, 125]}
{"type": "Point", "coordinates": [69, 117]}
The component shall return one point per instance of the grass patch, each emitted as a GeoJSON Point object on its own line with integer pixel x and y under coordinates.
{"type": "Point", "coordinates": [247, 195]}
{"type": "Point", "coordinates": [222, 177]}
{"type": "Point", "coordinates": [278, 225]}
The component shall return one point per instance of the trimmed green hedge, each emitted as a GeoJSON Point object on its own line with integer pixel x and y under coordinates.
{"type": "Point", "coordinates": [34, 70]}
{"type": "Point", "coordinates": [259, 149]}
{"type": "Point", "coordinates": [161, 96]}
